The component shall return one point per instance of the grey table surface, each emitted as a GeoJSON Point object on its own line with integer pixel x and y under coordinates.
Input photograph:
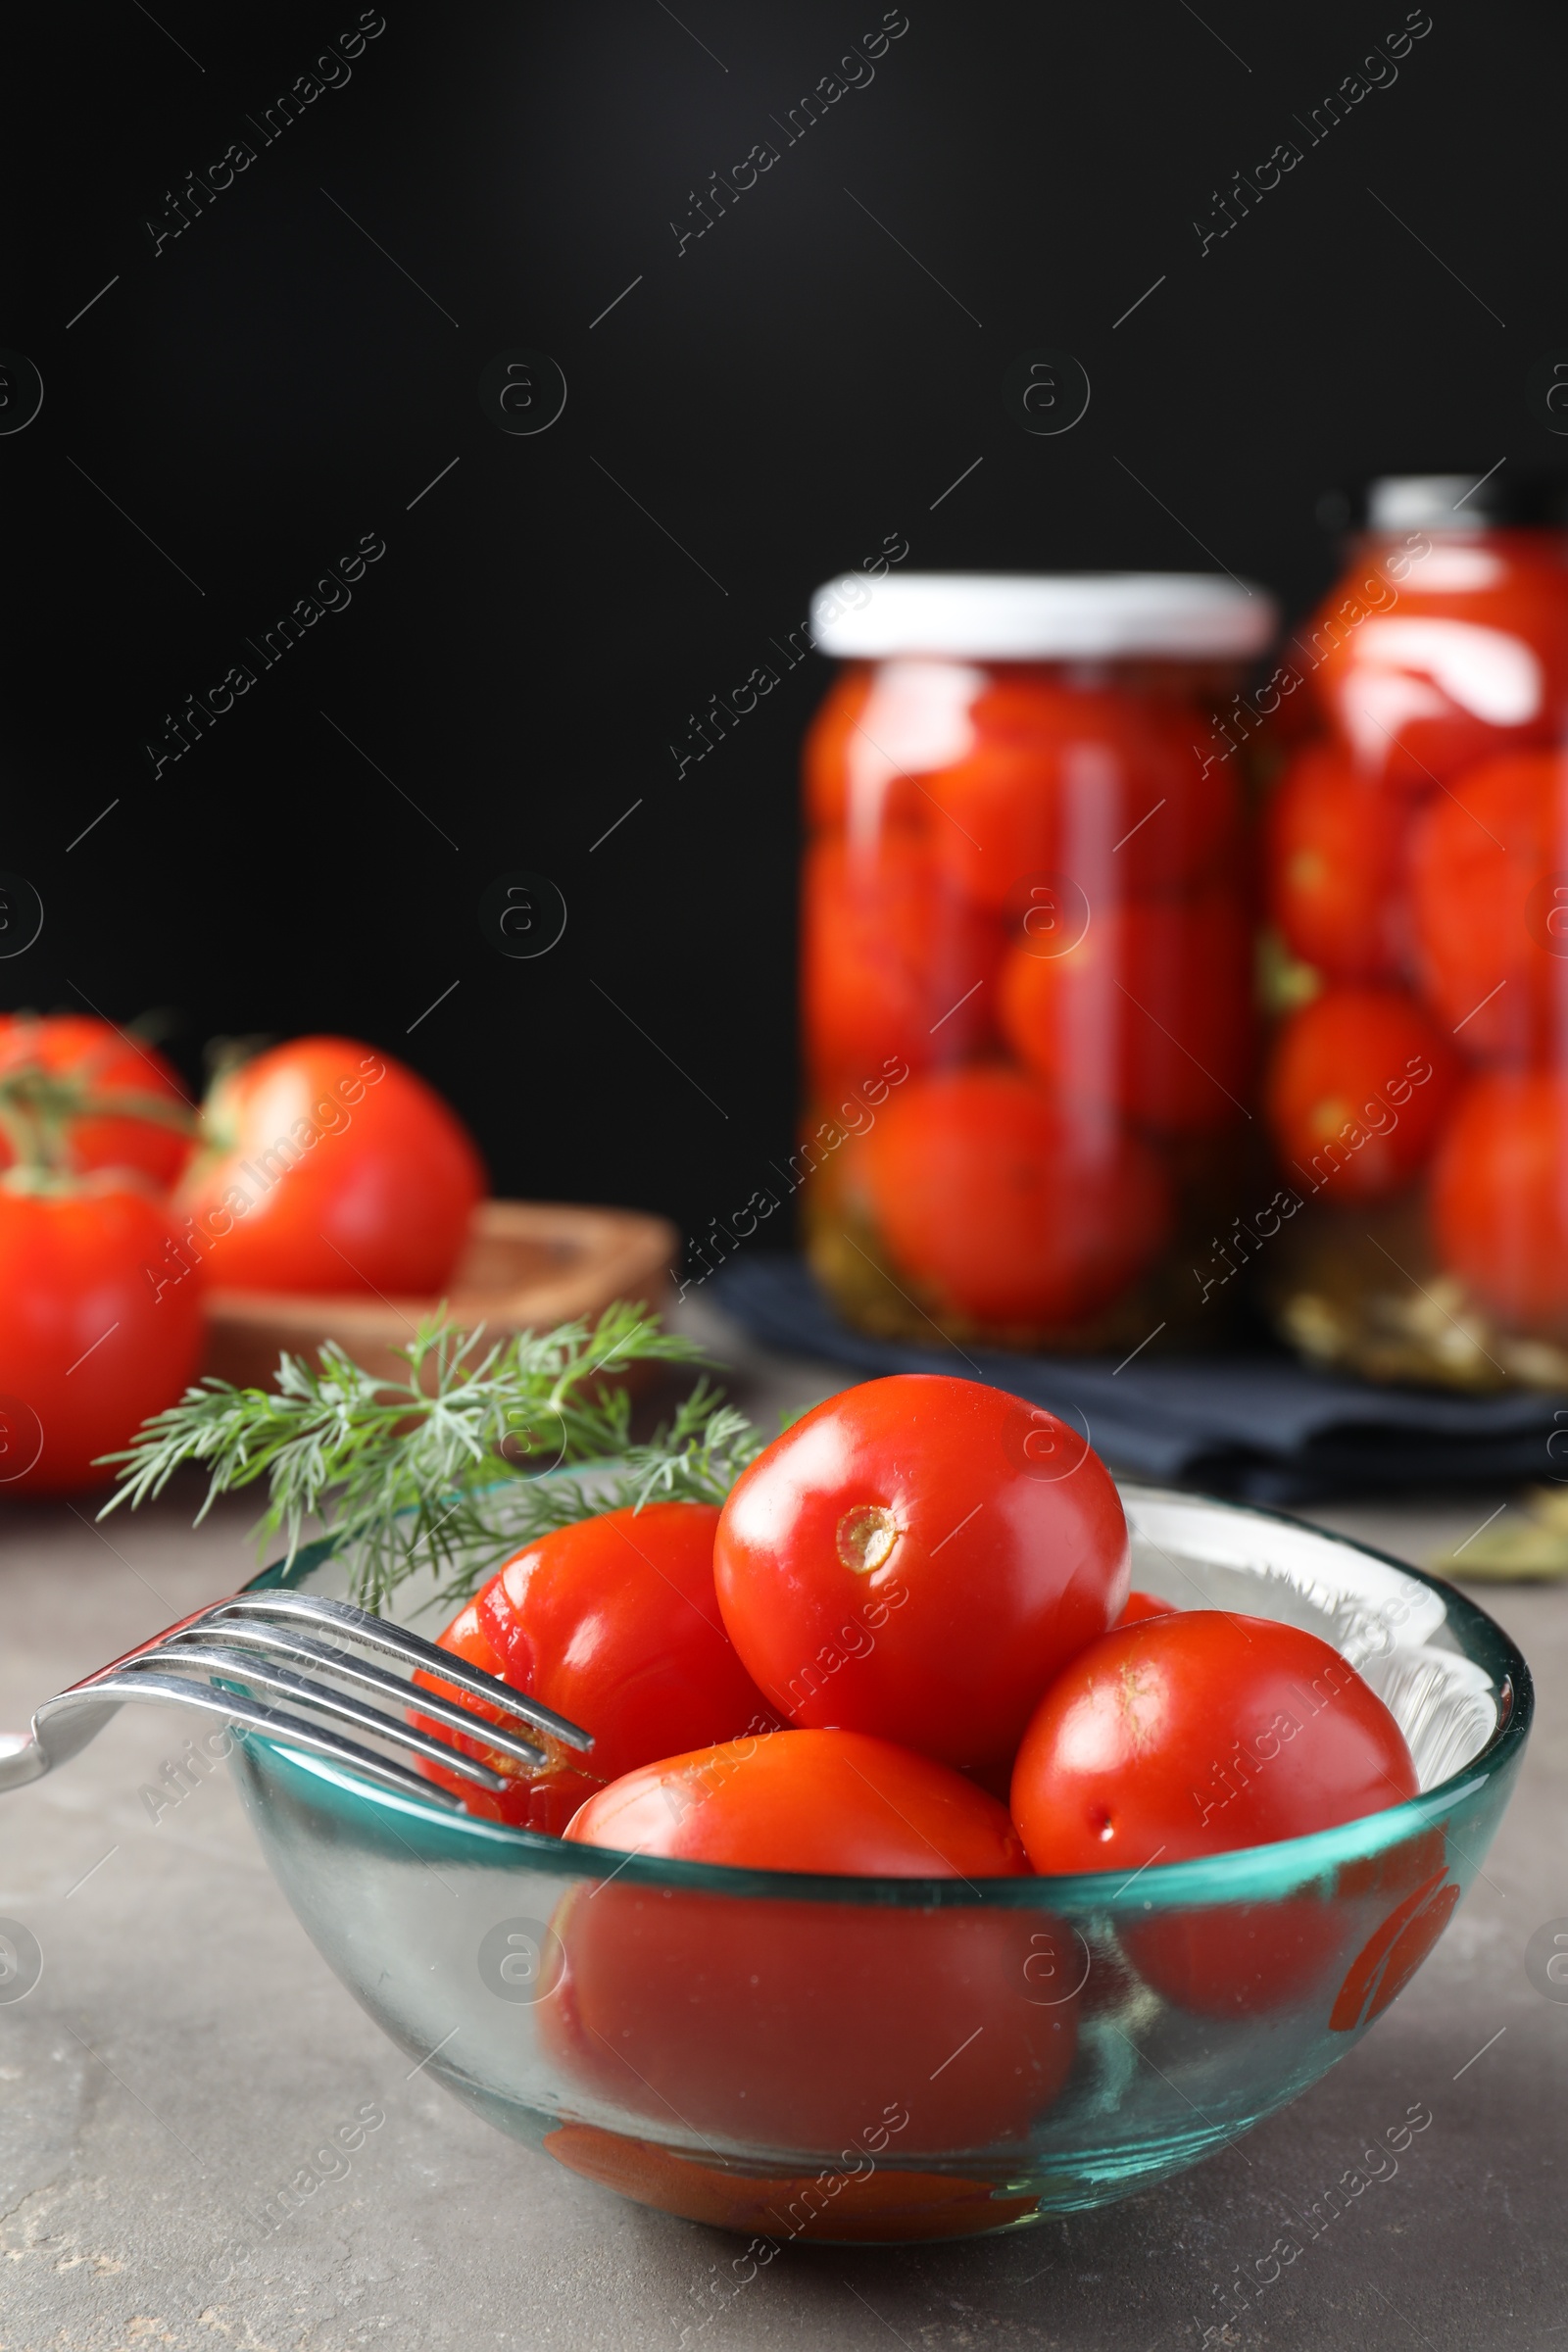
{"type": "Point", "coordinates": [185, 2052]}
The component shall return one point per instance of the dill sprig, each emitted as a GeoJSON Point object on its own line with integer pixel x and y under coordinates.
{"type": "Point", "coordinates": [446, 1469]}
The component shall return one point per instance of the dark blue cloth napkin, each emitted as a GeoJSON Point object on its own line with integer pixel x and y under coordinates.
{"type": "Point", "coordinates": [1261, 1427]}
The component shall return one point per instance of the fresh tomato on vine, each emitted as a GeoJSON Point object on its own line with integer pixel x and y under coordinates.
{"type": "Point", "coordinates": [96, 1332]}
{"type": "Point", "coordinates": [329, 1166]}
{"type": "Point", "coordinates": [112, 1100]}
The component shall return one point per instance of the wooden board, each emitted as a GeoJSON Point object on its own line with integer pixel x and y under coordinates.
{"type": "Point", "coordinates": [529, 1264]}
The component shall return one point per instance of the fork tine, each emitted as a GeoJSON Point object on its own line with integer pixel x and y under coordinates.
{"type": "Point", "coordinates": [217, 1658]}
{"type": "Point", "coordinates": [396, 1641]}
{"type": "Point", "coordinates": [250, 1715]}
{"type": "Point", "coordinates": [257, 1632]}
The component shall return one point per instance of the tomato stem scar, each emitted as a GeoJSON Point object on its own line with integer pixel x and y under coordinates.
{"type": "Point", "coordinates": [866, 1536]}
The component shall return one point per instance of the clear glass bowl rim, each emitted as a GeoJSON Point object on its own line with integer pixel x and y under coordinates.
{"type": "Point", "coordinates": [1241, 1874]}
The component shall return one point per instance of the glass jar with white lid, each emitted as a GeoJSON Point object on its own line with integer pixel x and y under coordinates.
{"type": "Point", "coordinates": [1027, 954]}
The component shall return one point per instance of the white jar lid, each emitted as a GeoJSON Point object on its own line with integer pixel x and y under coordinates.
{"type": "Point", "coordinates": [1442, 501]}
{"type": "Point", "coordinates": [1019, 616]}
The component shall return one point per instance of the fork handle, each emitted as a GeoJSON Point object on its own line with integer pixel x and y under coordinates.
{"type": "Point", "coordinates": [106, 1694]}
{"type": "Point", "coordinates": [22, 1760]}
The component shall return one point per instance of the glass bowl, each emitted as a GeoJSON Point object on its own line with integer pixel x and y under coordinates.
{"type": "Point", "coordinates": [873, 2060]}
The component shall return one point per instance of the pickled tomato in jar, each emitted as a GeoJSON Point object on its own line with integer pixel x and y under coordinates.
{"type": "Point", "coordinates": [1447, 639]}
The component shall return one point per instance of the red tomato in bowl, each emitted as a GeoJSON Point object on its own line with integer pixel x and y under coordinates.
{"type": "Point", "coordinates": [916, 1558]}
{"type": "Point", "coordinates": [1362, 1078]}
{"type": "Point", "coordinates": [793, 2024]}
{"type": "Point", "coordinates": [1145, 1604]}
{"type": "Point", "coordinates": [1245, 1959]}
{"type": "Point", "coordinates": [332, 1167]}
{"type": "Point", "coordinates": [81, 1053]}
{"type": "Point", "coordinates": [829, 1801]}
{"type": "Point", "coordinates": [798, 2024]}
{"type": "Point", "coordinates": [613, 1623]}
{"type": "Point", "coordinates": [543, 1801]}
{"type": "Point", "coordinates": [1192, 1734]}
{"type": "Point", "coordinates": [1009, 1206]}
{"type": "Point", "coordinates": [102, 1326]}
{"type": "Point", "coordinates": [1499, 1197]}
{"type": "Point", "coordinates": [869, 2206]}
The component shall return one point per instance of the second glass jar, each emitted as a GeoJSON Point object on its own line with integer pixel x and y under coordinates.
{"type": "Point", "coordinates": [1416, 881]}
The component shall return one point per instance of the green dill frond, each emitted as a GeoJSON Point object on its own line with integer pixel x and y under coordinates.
{"type": "Point", "coordinates": [445, 1468]}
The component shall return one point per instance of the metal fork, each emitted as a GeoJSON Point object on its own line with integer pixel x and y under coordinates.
{"type": "Point", "coordinates": [241, 1638]}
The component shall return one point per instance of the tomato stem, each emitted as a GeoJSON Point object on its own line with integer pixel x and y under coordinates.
{"type": "Point", "coordinates": [38, 1107]}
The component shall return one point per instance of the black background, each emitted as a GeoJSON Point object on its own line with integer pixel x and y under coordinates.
{"type": "Point", "coordinates": [780, 397]}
